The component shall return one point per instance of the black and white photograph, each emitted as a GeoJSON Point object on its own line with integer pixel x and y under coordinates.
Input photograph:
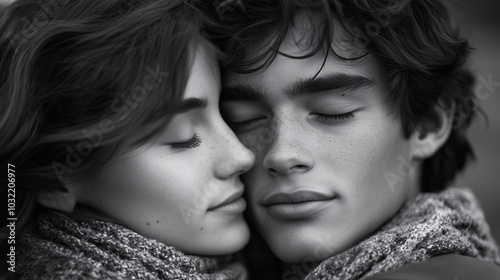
{"type": "Point", "coordinates": [250, 139]}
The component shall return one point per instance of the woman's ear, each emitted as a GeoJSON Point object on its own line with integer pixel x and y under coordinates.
{"type": "Point", "coordinates": [432, 132]}
{"type": "Point", "coordinates": [63, 200]}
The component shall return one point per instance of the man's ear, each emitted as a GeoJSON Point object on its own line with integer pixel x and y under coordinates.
{"type": "Point", "coordinates": [63, 200]}
{"type": "Point", "coordinates": [432, 132]}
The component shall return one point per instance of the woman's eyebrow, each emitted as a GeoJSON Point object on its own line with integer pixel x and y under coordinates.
{"type": "Point", "coordinates": [332, 82]}
{"type": "Point", "coordinates": [191, 103]}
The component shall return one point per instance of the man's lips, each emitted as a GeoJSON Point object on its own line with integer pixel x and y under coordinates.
{"type": "Point", "coordinates": [296, 197]}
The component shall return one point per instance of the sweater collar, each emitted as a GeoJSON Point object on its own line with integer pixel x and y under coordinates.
{"type": "Point", "coordinates": [430, 225]}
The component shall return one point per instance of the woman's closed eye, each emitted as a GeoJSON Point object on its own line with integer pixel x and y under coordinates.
{"type": "Point", "coordinates": [194, 142]}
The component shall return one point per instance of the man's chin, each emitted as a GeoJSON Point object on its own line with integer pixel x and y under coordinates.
{"type": "Point", "coordinates": [293, 250]}
{"type": "Point", "coordinates": [303, 245]}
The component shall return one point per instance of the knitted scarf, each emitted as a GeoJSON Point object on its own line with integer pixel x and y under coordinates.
{"type": "Point", "coordinates": [67, 247]}
{"type": "Point", "coordinates": [431, 225]}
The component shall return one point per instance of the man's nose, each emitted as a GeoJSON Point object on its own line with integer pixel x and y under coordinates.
{"type": "Point", "coordinates": [288, 153]}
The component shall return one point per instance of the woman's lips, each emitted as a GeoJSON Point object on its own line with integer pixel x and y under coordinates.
{"type": "Point", "coordinates": [234, 203]}
{"type": "Point", "coordinates": [296, 205]}
{"type": "Point", "coordinates": [236, 206]}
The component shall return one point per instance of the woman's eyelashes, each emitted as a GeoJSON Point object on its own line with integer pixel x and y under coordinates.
{"type": "Point", "coordinates": [191, 143]}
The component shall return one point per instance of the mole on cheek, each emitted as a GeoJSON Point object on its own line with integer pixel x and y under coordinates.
{"type": "Point", "coordinates": [157, 222]}
{"type": "Point", "coordinates": [147, 224]}
{"type": "Point", "coordinates": [201, 228]}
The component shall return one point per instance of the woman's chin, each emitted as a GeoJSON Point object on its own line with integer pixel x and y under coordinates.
{"type": "Point", "coordinates": [221, 241]}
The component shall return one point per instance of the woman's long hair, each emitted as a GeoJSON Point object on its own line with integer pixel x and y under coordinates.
{"type": "Point", "coordinates": [79, 76]}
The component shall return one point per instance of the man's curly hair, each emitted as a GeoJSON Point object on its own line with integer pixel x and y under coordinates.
{"type": "Point", "coordinates": [420, 50]}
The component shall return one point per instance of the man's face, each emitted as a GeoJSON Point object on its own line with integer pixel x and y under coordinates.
{"type": "Point", "coordinates": [332, 164]}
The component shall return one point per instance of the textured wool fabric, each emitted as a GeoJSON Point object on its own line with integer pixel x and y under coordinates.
{"type": "Point", "coordinates": [67, 247]}
{"type": "Point", "coordinates": [433, 224]}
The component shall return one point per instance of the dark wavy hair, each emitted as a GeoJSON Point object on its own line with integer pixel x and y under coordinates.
{"type": "Point", "coordinates": [416, 43]}
{"type": "Point", "coordinates": [77, 77]}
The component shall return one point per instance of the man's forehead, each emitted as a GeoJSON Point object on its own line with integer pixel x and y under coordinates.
{"type": "Point", "coordinates": [304, 34]}
{"type": "Point", "coordinates": [284, 71]}
{"type": "Point", "coordinates": [299, 43]}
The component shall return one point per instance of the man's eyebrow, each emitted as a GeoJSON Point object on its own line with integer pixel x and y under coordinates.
{"type": "Point", "coordinates": [242, 92]}
{"type": "Point", "coordinates": [190, 104]}
{"type": "Point", "coordinates": [332, 82]}
{"type": "Point", "coordinates": [339, 82]}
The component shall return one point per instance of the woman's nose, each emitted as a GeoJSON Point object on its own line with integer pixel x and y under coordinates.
{"type": "Point", "coordinates": [235, 158]}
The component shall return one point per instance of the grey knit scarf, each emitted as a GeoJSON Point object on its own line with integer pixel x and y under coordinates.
{"type": "Point", "coordinates": [431, 225]}
{"type": "Point", "coordinates": [67, 247]}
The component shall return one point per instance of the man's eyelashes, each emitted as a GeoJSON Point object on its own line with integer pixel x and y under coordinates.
{"type": "Point", "coordinates": [333, 117]}
{"type": "Point", "coordinates": [250, 124]}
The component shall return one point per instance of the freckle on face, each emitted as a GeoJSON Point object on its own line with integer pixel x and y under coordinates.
{"type": "Point", "coordinates": [343, 158]}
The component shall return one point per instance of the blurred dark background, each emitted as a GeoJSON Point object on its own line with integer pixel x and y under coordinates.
{"type": "Point", "coordinates": [479, 21]}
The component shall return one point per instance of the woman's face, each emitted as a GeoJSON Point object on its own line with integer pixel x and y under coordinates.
{"type": "Point", "coordinates": [184, 188]}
